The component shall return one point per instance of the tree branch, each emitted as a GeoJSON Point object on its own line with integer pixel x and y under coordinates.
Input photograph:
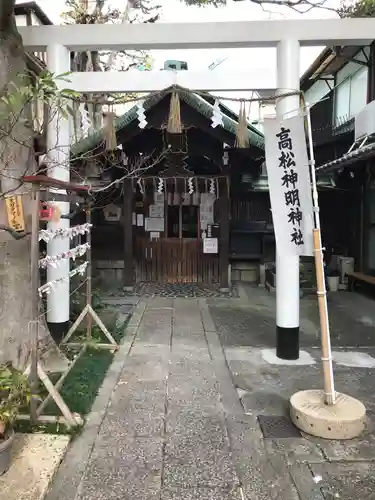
{"type": "Point", "coordinates": [15, 234]}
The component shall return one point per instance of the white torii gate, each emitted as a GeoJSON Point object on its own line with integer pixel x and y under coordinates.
{"type": "Point", "coordinates": [287, 35]}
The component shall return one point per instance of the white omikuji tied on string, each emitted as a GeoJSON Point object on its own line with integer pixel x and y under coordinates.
{"type": "Point", "coordinates": [160, 188]}
{"type": "Point", "coordinates": [190, 185]}
{"type": "Point", "coordinates": [49, 234]}
{"type": "Point", "coordinates": [141, 115]}
{"type": "Point", "coordinates": [73, 253]}
{"type": "Point", "coordinates": [217, 117]}
{"type": "Point", "coordinates": [48, 287]}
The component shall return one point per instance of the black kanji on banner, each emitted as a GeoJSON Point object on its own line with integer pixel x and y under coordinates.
{"type": "Point", "coordinates": [289, 180]}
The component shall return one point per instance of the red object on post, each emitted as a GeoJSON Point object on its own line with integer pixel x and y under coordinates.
{"type": "Point", "coordinates": [46, 212]}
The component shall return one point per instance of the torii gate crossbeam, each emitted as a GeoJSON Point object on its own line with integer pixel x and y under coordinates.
{"type": "Point", "coordinates": [168, 36]}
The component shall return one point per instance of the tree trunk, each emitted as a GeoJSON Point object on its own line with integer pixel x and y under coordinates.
{"type": "Point", "coordinates": [16, 160]}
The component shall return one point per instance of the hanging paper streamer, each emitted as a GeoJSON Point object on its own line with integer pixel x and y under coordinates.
{"type": "Point", "coordinates": [48, 287]}
{"type": "Point", "coordinates": [69, 232]}
{"type": "Point", "coordinates": [141, 115]}
{"type": "Point", "coordinates": [217, 117]}
{"type": "Point", "coordinates": [73, 253]}
{"type": "Point", "coordinates": [160, 185]}
{"type": "Point", "coordinates": [190, 185]}
{"type": "Point", "coordinates": [242, 139]}
{"type": "Point", "coordinates": [174, 119]}
{"type": "Point", "coordinates": [212, 187]}
{"type": "Point", "coordinates": [85, 120]}
{"type": "Point", "coordinates": [141, 187]}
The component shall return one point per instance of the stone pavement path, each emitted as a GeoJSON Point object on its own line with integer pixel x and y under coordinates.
{"type": "Point", "coordinates": [265, 384]}
{"type": "Point", "coordinates": [174, 427]}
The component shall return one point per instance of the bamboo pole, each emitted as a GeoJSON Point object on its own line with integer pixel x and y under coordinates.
{"type": "Point", "coordinates": [329, 386]}
{"type": "Point", "coordinates": [56, 396]}
{"type": "Point", "coordinates": [61, 380]}
{"type": "Point", "coordinates": [34, 323]}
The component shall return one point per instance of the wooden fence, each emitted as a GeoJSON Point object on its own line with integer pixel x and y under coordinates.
{"type": "Point", "coordinates": [175, 261]}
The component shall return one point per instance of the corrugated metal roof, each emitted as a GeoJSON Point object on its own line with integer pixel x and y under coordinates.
{"type": "Point", "coordinates": [363, 153]}
{"type": "Point", "coordinates": [197, 102]}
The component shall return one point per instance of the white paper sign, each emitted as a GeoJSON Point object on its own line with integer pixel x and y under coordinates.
{"type": "Point", "coordinates": [154, 235]}
{"type": "Point", "coordinates": [156, 211]}
{"type": "Point", "coordinates": [206, 210]}
{"type": "Point", "coordinates": [112, 213]}
{"type": "Point", "coordinates": [139, 220]}
{"type": "Point", "coordinates": [210, 245]}
{"type": "Point", "coordinates": [289, 185]}
{"type": "Point", "coordinates": [154, 224]}
{"type": "Point", "coordinates": [207, 199]}
{"type": "Point", "coordinates": [159, 198]}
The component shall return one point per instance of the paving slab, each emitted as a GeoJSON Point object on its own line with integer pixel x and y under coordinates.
{"type": "Point", "coordinates": [203, 466]}
{"type": "Point", "coordinates": [349, 321]}
{"type": "Point", "coordinates": [346, 481]}
{"type": "Point", "coordinates": [201, 494]}
{"type": "Point", "coordinates": [35, 458]}
{"type": "Point", "coordinates": [128, 468]}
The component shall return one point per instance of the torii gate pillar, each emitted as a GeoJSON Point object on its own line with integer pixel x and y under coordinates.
{"type": "Point", "coordinates": [287, 267]}
{"type": "Point", "coordinates": [58, 151]}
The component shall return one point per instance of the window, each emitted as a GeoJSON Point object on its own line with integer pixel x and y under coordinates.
{"type": "Point", "coordinates": [318, 91]}
{"type": "Point", "coordinates": [173, 221]}
{"type": "Point", "coordinates": [350, 95]}
{"type": "Point", "coordinates": [189, 221]}
{"type": "Point", "coordinates": [358, 91]}
{"type": "Point", "coordinates": [342, 103]}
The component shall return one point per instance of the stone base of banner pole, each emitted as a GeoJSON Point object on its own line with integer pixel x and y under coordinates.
{"type": "Point", "coordinates": [343, 420]}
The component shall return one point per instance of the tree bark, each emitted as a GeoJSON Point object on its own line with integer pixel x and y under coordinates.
{"type": "Point", "coordinates": [16, 160]}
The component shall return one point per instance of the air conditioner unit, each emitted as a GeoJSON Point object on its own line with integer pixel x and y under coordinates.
{"type": "Point", "coordinates": [365, 122]}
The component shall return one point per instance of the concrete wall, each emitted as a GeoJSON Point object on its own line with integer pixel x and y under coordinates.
{"type": "Point", "coordinates": [247, 272]}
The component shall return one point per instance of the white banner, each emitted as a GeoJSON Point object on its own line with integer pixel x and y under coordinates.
{"type": "Point", "coordinates": [289, 185]}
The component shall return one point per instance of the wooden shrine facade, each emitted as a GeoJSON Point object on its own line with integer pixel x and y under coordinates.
{"type": "Point", "coordinates": [167, 218]}
{"type": "Point", "coordinates": [180, 228]}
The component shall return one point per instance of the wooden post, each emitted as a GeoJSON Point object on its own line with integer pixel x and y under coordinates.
{"type": "Point", "coordinates": [224, 209]}
{"type": "Point", "coordinates": [88, 277]}
{"type": "Point", "coordinates": [34, 324]}
{"type": "Point", "coordinates": [128, 235]}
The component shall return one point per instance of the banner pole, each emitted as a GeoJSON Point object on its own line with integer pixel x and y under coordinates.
{"type": "Point", "coordinates": [329, 387]}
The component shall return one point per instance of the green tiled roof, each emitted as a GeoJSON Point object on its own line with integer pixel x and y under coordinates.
{"type": "Point", "coordinates": [195, 101]}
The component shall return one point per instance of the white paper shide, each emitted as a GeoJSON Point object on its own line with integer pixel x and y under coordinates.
{"type": "Point", "coordinates": [289, 185]}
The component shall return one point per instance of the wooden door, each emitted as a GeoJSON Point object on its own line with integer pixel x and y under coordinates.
{"type": "Point", "coordinates": [175, 260]}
